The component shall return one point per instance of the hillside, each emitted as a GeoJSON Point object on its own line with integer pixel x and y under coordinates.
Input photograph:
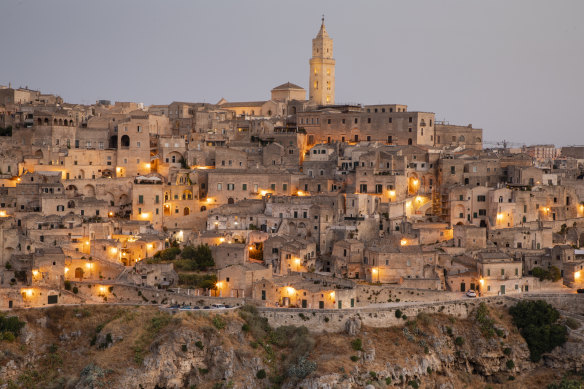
{"type": "Point", "coordinates": [143, 347]}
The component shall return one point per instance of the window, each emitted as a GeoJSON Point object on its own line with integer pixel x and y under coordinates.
{"type": "Point", "coordinates": [138, 144]}
{"type": "Point", "coordinates": [356, 120]}
{"type": "Point", "coordinates": [410, 119]}
{"type": "Point", "coordinates": [502, 272]}
{"type": "Point", "coordinates": [390, 120]}
{"type": "Point", "coordinates": [139, 129]}
{"type": "Point", "coordinates": [489, 272]}
{"type": "Point", "coordinates": [481, 198]}
{"type": "Point", "coordinates": [244, 186]}
{"type": "Point", "coordinates": [230, 186]}
{"type": "Point", "coordinates": [219, 186]}
{"type": "Point", "coordinates": [141, 199]}
{"type": "Point", "coordinates": [284, 186]}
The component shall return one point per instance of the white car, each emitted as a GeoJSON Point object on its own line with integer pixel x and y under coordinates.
{"type": "Point", "coordinates": [471, 293]}
{"type": "Point", "coordinates": [217, 306]}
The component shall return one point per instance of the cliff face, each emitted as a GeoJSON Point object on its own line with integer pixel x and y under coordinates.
{"type": "Point", "coordinates": [141, 347]}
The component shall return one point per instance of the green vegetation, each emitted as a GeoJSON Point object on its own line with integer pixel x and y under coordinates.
{"type": "Point", "coordinates": [219, 322]}
{"type": "Point", "coordinates": [286, 347]}
{"type": "Point", "coordinates": [357, 344]}
{"type": "Point", "coordinates": [261, 374]}
{"type": "Point", "coordinates": [537, 323]}
{"type": "Point", "coordinates": [197, 258]}
{"type": "Point", "coordinates": [398, 313]}
{"type": "Point", "coordinates": [6, 131]}
{"type": "Point", "coordinates": [568, 383]}
{"type": "Point", "coordinates": [459, 341]}
{"type": "Point", "coordinates": [510, 364]}
{"type": "Point", "coordinates": [199, 344]}
{"type": "Point", "coordinates": [10, 327]}
{"type": "Point", "coordinates": [205, 281]}
{"type": "Point", "coordinates": [157, 323]}
{"type": "Point", "coordinates": [354, 358]}
{"type": "Point", "coordinates": [552, 274]}
{"type": "Point", "coordinates": [67, 285]}
{"type": "Point", "coordinates": [572, 323]}
{"type": "Point", "coordinates": [486, 323]}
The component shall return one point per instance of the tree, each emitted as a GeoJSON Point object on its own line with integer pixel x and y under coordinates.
{"type": "Point", "coordinates": [200, 257]}
{"type": "Point", "coordinates": [537, 323]}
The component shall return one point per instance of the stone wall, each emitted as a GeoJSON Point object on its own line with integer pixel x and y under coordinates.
{"type": "Point", "coordinates": [329, 320]}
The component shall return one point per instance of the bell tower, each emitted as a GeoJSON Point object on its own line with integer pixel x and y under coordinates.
{"type": "Point", "coordinates": [322, 69]}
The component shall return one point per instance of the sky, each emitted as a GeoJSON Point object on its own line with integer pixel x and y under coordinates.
{"type": "Point", "coordinates": [511, 67]}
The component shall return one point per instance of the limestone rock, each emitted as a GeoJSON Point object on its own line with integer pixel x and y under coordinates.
{"type": "Point", "coordinates": [353, 326]}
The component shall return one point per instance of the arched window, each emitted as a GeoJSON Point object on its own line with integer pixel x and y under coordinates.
{"type": "Point", "coordinates": [125, 141]}
{"type": "Point", "coordinates": [461, 138]}
{"type": "Point", "coordinates": [186, 211]}
{"type": "Point", "coordinates": [39, 121]}
{"type": "Point", "coordinates": [71, 204]}
{"type": "Point", "coordinates": [47, 121]}
{"type": "Point", "coordinates": [203, 208]}
{"type": "Point", "coordinates": [409, 141]}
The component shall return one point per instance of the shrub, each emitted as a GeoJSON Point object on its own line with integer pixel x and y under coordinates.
{"type": "Point", "coordinates": [219, 322]}
{"type": "Point", "coordinates": [67, 285]}
{"type": "Point", "coordinates": [486, 323]}
{"type": "Point", "coordinates": [8, 336]}
{"type": "Point", "coordinates": [75, 290]}
{"type": "Point", "coordinates": [245, 327]}
{"type": "Point", "coordinates": [414, 384]}
{"type": "Point", "coordinates": [373, 375]}
{"type": "Point", "coordinates": [199, 344]}
{"type": "Point", "coordinates": [510, 364]}
{"type": "Point", "coordinates": [183, 348]}
{"type": "Point", "coordinates": [424, 318]}
{"type": "Point", "coordinates": [507, 351]}
{"type": "Point", "coordinates": [388, 381]}
{"type": "Point", "coordinates": [170, 253]}
{"type": "Point", "coordinates": [572, 323]}
{"type": "Point", "coordinates": [357, 344]}
{"type": "Point", "coordinates": [261, 374]}
{"type": "Point", "coordinates": [398, 313]}
{"type": "Point", "coordinates": [537, 323]}
{"type": "Point", "coordinates": [405, 317]}
{"type": "Point", "coordinates": [203, 371]}
{"type": "Point", "coordinates": [302, 368]}
{"type": "Point", "coordinates": [449, 331]}
{"type": "Point", "coordinates": [11, 324]}
{"type": "Point", "coordinates": [354, 358]}
{"type": "Point", "coordinates": [198, 258]}
{"type": "Point", "coordinates": [551, 274]}
{"type": "Point", "coordinates": [459, 341]}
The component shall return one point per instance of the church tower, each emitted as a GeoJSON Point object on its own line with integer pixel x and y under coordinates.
{"type": "Point", "coordinates": [322, 69]}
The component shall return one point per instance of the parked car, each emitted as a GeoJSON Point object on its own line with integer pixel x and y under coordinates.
{"type": "Point", "coordinates": [196, 307]}
{"type": "Point", "coordinates": [206, 307]}
{"type": "Point", "coordinates": [579, 290]}
{"type": "Point", "coordinates": [217, 306]}
{"type": "Point", "coordinates": [471, 293]}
